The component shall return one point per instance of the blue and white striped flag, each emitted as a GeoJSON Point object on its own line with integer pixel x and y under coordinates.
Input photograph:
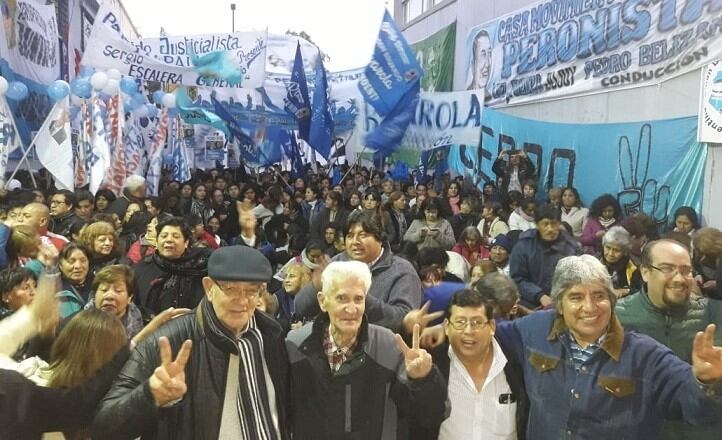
{"type": "Point", "coordinates": [181, 168]}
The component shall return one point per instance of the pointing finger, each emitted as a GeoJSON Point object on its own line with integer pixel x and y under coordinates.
{"type": "Point", "coordinates": [431, 317]}
{"type": "Point", "coordinates": [415, 339]}
{"type": "Point", "coordinates": [425, 308]}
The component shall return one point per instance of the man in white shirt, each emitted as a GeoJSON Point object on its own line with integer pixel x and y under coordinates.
{"type": "Point", "coordinates": [485, 389]}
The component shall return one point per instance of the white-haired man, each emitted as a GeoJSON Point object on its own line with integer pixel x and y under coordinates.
{"type": "Point", "coordinates": [352, 379]}
{"type": "Point", "coordinates": [134, 190]}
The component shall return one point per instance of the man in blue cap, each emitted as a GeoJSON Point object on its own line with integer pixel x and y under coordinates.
{"type": "Point", "coordinates": [237, 371]}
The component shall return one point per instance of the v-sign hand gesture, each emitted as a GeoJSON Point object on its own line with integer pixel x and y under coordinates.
{"type": "Point", "coordinates": [418, 361]}
{"type": "Point", "coordinates": [706, 357]}
{"type": "Point", "coordinates": [168, 382]}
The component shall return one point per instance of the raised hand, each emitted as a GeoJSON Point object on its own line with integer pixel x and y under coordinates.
{"type": "Point", "coordinates": [418, 361]}
{"type": "Point", "coordinates": [168, 382]}
{"type": "Point", "coordinates": [159, 319]}
{"type": "Point", "coordinates": [421, 316]}
{"type": "Point", "coordinates": [706, 357]}
{"type": "Point", "coordinates": [433, 336]}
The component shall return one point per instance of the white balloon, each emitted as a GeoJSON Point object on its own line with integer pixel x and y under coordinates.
{"type": "Point", "coordinates": [112, 87]}
{"type": "Point", "coordinates": [169, 100]}
{"type": "Point", "coordinates": [3, 86]}
{"type": "Point", "coordinates": [141, 112]}
{"type": "Point", "coordinates": [113, 74]}
{"type": "Point", "coordinates": [99, 80]}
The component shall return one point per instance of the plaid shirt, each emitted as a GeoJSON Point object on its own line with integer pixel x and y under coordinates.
{"type": "Point", "coordinates": [336, 356]}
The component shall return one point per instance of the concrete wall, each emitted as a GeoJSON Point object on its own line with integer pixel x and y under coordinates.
{"type": "Point", "coordinates": [671, 99]}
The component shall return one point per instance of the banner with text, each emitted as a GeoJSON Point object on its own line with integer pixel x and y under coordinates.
{"type": "Point", "coordinates": [436, 56]}
{"type": "Point", "coordinates": [599, 158]}
{"type": "Point", "coordinates": [167, 59]}
{"type": "Point", "coordinates": [555, 48]}
{"type": "Point", "coordinates": [710, 104]}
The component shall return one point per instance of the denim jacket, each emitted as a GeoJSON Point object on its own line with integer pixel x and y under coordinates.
{"type": "Point", "coordinates": [623, 392]}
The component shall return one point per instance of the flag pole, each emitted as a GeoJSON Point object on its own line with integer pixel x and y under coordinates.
{"type": "Point", "coordinates": [363, 150]}
{"type": "Point", "coordinates": [25, 151]}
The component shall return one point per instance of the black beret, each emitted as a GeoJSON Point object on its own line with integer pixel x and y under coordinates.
{"type": "Point", "coordinates": [239, 263]}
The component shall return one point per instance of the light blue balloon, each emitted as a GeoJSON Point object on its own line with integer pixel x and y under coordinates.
{"type": "Point", "coordinates": [128, 85]}
{"type": "Point", "coordinates": [152, 110]}
{"type": "Point", "coordinates": [158, 96]}
{"type": "Point", "coordinates": [137, 101]}
{"type": "Point", "coordinates": [17, 91]}
{"type": "Point", "coordinates": [173, 112]}
{"type": "Point", "coordinates": [81, 87]}
{"type": "Point", "coordinates": [86, 72]}
{"type": "Point", "coordinates": [58, 90]}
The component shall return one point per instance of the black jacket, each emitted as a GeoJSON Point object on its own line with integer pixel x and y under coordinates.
{"type": "Point", "coordinates": [368, 398]}
{"type": "Point", "coordinates": [61, 225]}
{"type": "Point", "coordinates": [514, 377]}
{"type": "Point", "coordinates": [128, 410]}
{"type": "Point", "coordinates": [321, 221]}
{"type": "Point", "coordinates": [503, 170]}
{"type": "Point", "coordinates": [27, 410]}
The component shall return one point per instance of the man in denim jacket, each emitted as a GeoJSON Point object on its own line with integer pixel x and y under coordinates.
{"type": "Point", "coordinates": [587, 378]}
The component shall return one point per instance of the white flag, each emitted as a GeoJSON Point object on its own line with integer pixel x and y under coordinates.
{"type": "Point", "coordinates": [53, 146]}
{"type": "Point", "coordinates": [99, 161]}
{"type": "Point", "coordinates": [9, 135]}
{"type": "Point", "coordinates": [155, 160]}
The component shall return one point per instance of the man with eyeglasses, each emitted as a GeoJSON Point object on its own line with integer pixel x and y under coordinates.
{"type": "Point", "coordinates": [62, 212]}
{"type": "Point", "coordinates": [669, 310]}
{"type": "Point", "coordinates": [235, 383]}
{"type": "Point", "coordinates": [485, 389]}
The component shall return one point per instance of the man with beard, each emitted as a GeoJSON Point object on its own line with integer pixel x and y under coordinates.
{"type": "Point", "coordinates": [668, 311]}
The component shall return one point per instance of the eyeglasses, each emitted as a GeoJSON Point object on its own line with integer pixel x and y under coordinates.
{"type": "Point", "coordinates": [685, 271]}
{"type": "Point", "coordinates": [239, 291]}
{"type": "Point", "coordinates": [460, 324]}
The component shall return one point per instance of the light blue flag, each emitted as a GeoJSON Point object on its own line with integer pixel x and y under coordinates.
{"type": "Point", "coordinates": [218, 64]}
{"type": "Point", "coordinates": [322, 125]}
{"type": "Point", "coordinates": [392, 71]}
{"type": "Point", "coordinates": [297, 101]}
{"type": "Point", "coordinates": [181, 167]}
{"type": "Point", "coordinates": [197, 115]}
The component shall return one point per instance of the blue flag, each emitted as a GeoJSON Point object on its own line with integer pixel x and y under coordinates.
{"type": "Point", "coordinates": [197, 115]}
{"type": "Point", "coordinates": [291, 151]}
{"type": "Point", "coordinates": [387, 136]}
{"type": "Point", "coordinates": [393, 70]}
{"type": "Point", "coordinates": [181, 167]}
{"type": "Point", "coordinates": [401, 171]}
{"type": "Point", "coordinates": [297, 101]}
{"type": "Point", "coordinates": [233, 126]}
{"type": "Point", "coordinates": [321, 131]}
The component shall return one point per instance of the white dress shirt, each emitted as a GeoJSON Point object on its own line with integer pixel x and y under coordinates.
{"type": "Point", "coordinates": [477, 415]}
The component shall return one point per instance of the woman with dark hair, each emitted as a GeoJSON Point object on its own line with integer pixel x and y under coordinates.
{"type": "Point", "coordinates": [145, 245]}
{"type": "Point", "coordinates": [172, 276]}
{"type": "Point", "coordinates": [471, 246]}
{"type": "Point", "coordinates": [453, 196]}
{"type": "Point", "coordinates": [74, 264]}
{"type": "Point", "coordinates": [186, 197]}
{"type": "Point", "coordinates": [573, 212]}
{"type": "Point", "coordinates": [17, 288]}
{"type": "Point", "coordinates": [431, 230]}
{"type": "Point", "coordinates": [200, 205]}
{"type": "Point", "coordinates": [491, 223]}
{"type": "Point", "coordinates": [685, 220]}
{"type": "Point", "coordinates": [354, 201]}
{"type": "Point", "coordinates": [103, 243]}
{"type": "Point", "coordinates": [522, 218]}
{"type": "Point", "coordinates": [133, 229]}
{"type": "Point", "coordinates": [604, 213]}
{"type": "Point", "coordinates": [103, 199]}
{"type": "Point", "coordinates": [372, 203]}
{"type": "Point", "coordinates": [467, 216]}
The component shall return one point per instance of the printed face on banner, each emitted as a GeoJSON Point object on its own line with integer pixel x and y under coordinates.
{"type": "Point", "coordinates": [542, 51]}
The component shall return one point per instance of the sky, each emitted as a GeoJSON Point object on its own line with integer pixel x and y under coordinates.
{"type": "Point", "coordinates": [345, 30]}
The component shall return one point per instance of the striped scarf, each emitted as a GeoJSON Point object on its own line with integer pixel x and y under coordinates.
{"type": "Point", "coordinates": [252, 398]}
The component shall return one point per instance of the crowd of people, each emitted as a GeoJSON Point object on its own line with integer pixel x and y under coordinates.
{"type": "Point", "coordinates": [262, 306]}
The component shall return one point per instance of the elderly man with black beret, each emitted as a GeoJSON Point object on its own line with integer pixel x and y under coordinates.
{"type": "Point", "coordinates": [232, 384]}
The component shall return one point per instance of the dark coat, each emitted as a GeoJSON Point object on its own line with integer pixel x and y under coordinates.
{"type": "Point", "coordinates": [27, 410]}
{"type": "Point", "coordinates": [61, 225]}
{"type": "Point", "coordinates": [368, 398]}
{"type": "Point", "coordinates": [503, 170]}
{"type": "Point", "coordinates": [128, 410]}
{"type": "Point", "coordinates": [321, 221]}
